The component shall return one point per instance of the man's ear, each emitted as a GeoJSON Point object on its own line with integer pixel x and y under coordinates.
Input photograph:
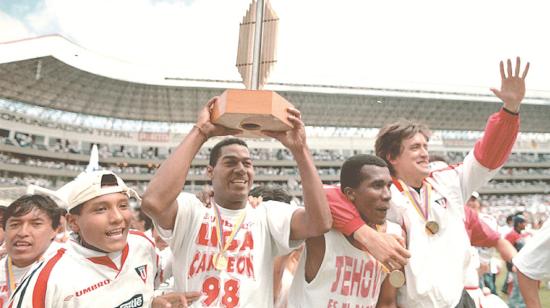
{"type": "Point", "coordinates": [390, 159]}
{"type": "Point", "coordinates": [72, 221]}
{"type": "Point", "coordinates": [350, 194]}
{"type": "Point", "coordinates": [209, 172]}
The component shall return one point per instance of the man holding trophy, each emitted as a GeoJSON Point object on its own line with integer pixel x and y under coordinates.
{"type": "Point", "coordinates": [226, 251]}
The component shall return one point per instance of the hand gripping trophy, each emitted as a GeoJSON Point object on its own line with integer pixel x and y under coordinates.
{"type": "Point", "coordinates": [253, 110]}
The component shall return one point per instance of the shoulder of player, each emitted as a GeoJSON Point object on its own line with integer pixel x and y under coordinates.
{"type": "Point", "coordinates": [41, 274]}
{"type": "Point", "coordinates": [449, 170]}
{"type": "Point", "coordinates": [273, 205]}
{"type": "Point", "coordinates": [139, 238]}
{"type": "Point", "coordinates": [187, 199]}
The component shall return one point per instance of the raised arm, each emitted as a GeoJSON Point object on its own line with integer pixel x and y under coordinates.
{"type": "Point", "coordinates": [159, 200]}
{"type": "Point", "coordinates": [502, 128]}
{"type": "Point", "coordinates": [315, 218]}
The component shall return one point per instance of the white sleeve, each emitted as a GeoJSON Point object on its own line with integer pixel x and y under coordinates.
{"type": "Point", "coordinates": [473, 175]}
{"type": "Point", "coordinates": [533, 260]}
{"type": "Point", "coordinates": [463, 179]}
{"type": "Point", "coordinates": [188, 209]}
{"type": "Point", "coordinates": [279, 217]}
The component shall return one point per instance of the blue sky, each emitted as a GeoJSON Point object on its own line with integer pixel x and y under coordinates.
{"type": "Point", "coordinates": [391, 43]}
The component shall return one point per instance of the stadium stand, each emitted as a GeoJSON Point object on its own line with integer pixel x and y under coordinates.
{"type": "Point", "coordinates": [56, 102]}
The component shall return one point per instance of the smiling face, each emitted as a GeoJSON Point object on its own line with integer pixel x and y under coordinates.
{"type": "Point", "coordinates": [103, 222]}
{"type": "Point", "coordinates": [232, 176]}
{"type": "Point", "coordinates": [412, 163]}
{"type": "Point", "coordinates": [28, 236]}
{"type": "Point", "coordinates": [372, 196]}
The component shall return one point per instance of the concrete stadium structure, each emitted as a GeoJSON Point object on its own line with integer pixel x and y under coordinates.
{"type": "Point", "coordinates": [57, 99]}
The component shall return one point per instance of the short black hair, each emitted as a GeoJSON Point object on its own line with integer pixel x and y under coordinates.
{"type": "Point", "coordinates": [271, 192]}
{"type": "Point", "coordinates": [27, 203]}
{"type": "Point", "coordinates": [216, 150]}
{"type": "Point", "coordinates": [350, 174]}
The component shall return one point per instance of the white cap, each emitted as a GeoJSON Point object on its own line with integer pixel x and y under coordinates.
{"type": "Point", "coordinates": [475, 194]}
{"type": "Point", "coordinates": [88, 185]}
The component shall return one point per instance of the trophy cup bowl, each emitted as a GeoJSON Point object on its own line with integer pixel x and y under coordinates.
{"type": "Point", "coordinates": [252, 111]}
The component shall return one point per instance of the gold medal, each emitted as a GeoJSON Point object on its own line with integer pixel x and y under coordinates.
{"type": "Point", "coordinates": [220, 262]}
{"type": "Point", "coordinates": [432, 227]}
{"type": "Point", "coordinates": [397, 278]}
{"type": "Point", "coordinates": [219, 259]}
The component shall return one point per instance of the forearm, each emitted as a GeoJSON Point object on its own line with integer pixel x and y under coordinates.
{"type": "Point", "coordinates": [529, 289]}
{"type": "Point", "coordinates": [169, 179]}
{"type": "Point", "coordinates": [506, 250]}
{"type": "Point", "coordinates": [318, 216]}
{"type": "Point", "coordinates": [365, 235]}
{"type": "Point", "coordinates": [493, 149]}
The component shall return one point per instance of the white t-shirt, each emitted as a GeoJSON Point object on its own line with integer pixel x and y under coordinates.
{"type": "Point", "coordinates": [166, 278]}
{"type": "Point", "coordinates": [80, 277]}
{"type": "Point", "coordinates": [248, 278]}
{"type": "Point", "coordinates": [435, 273]}
{"type": "Point", "coordinates": [347, 277]}
{"type": "Point", "coordinates": [533, 260]}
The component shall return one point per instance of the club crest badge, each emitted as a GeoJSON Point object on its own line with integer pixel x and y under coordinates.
{"type": "Point", "coordinates": [142, 272]}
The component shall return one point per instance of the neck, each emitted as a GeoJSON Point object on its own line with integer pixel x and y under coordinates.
{"type": "Point", "coordinates": [22, 263]}
{"type": "Point", "coordinates": [368, 222]}
{"type": "Point", "coordinates": [231, 205]}
{"type": "Point", "coordinates": [84, 244]}
{"type": "Point", "coordinates": [411, 180]}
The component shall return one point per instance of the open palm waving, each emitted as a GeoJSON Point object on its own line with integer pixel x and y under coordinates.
{"type": "Point", "coordinates": [512, 88]}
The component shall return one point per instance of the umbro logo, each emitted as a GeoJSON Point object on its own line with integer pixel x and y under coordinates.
{"type": "Point", "coordinates": [142, 272]}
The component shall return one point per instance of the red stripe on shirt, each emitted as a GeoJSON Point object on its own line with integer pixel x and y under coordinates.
{"type": "Point", "coordinates": [135, 232]}
{"type": "Point", "coordinates": [106, 261]}
{"type": "Point", "coordinates": [493, 149]}
{"type": "Point", "coordinates": [39, 293]}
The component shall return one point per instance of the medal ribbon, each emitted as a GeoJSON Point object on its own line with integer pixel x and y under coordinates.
{"type": "Point", "coordinates": [10, 280]}
{"type": "Point", "coordinates": [219, 230]}
{"type": "Point", "coordinates": [423, 211]}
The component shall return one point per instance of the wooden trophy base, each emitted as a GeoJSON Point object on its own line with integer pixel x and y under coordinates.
{"type": "Point", "coordinates": [252, 111]}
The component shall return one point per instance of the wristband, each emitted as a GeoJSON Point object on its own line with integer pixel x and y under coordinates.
{"type": "Point", "coordinates": [509, 111]}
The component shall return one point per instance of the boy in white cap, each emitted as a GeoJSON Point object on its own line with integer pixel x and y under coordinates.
{"type": "Point", "coordinates": [116, 267]}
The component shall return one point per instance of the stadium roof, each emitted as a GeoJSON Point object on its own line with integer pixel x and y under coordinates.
{"type": "Point", "coordinates": [52, 72]}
